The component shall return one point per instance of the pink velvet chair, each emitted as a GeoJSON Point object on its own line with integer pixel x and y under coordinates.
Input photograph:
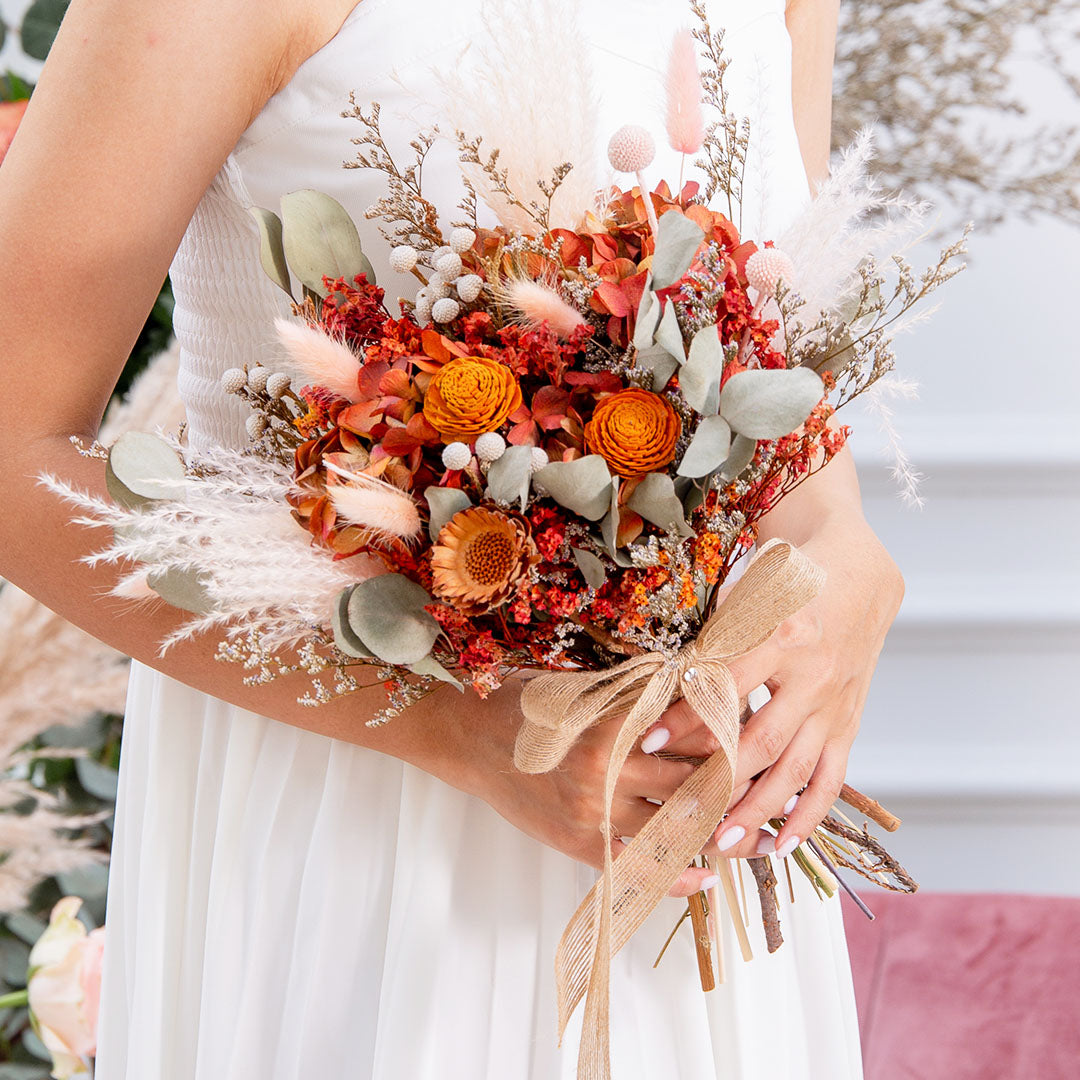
{"type": "Point", "coordinates": [967, 986]}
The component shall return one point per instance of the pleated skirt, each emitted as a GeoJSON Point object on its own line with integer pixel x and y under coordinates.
{"type": "Point", "coordinates": [284, 906]}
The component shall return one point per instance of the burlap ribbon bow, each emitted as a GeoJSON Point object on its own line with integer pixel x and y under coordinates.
{"type": "Point", "coordinates": [558, 707]}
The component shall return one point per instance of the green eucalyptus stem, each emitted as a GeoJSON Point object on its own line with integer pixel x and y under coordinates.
{"type": "Point", "coordinates": [16, 999]}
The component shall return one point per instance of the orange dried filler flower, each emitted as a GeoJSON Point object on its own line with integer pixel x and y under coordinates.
{"type": "Point", "coordinates": [470, 395]}
{"type": "Point", "coordinates": [479, 558]}
{"type": "Point", "coordinates": [634, 431]}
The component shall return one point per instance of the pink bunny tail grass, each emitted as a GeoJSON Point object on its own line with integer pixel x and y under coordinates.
{"type": "Point", "coordinates": [374, 504]}
{"type": "Point", "coordinates": [320, 359]}
{"type": "Point", "coordinates": [685, 117]}
{"type": "Point", "coordinates": [536, 303]}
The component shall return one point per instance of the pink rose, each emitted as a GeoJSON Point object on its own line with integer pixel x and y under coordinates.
{"type": "Point", "coordinates": [64, 988]}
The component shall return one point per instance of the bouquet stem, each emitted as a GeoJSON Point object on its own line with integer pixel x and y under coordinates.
{"type": "Point", "coordinates": [702, 941]}
{"type": "Point", "coordinates": [770, 906]}
{"type": "Point", "coordinates": [870, 807]}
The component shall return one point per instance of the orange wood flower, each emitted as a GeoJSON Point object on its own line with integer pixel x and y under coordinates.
{"type": "Point", "coordinates": [634, 431]}
{"type": "Point", "coordinates": [479, 558]}
{"type": "Point", "coordinates": [470, 395]}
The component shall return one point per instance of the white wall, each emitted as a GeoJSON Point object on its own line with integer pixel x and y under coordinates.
{"type": "Point", "coordinates": [972, 729]}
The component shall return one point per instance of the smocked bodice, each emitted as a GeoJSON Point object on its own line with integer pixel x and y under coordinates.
{"type": "Point", "coordinates": [392, 52]}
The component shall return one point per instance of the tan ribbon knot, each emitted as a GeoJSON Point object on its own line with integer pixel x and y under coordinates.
{"type": "Point", "coordinates": [559, 706]}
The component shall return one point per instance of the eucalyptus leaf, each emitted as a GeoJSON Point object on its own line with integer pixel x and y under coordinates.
{"type": "Point", "coordinates": [10, 1070]}
{"type": "Point", "coordinates": [669, 335]}
{"type": "Point", "coordinates": [344, 638]}
{"type": "Point", "coordinates": [609, 527]}
{"type": "Point", "coordinates": [387, 614]}
{"type": "Point", "coordinates": [13, 961]}
{"type": "Point", "coordinates": [3, 34]}
{"type": "Point", "coordinates": [660, 362]}
{"type": "Point", "coordinates": [648, 313]}
{"type": "Point", "coordinates": [583, 486]}
{"type": "Point", "coordinates": [677, 241]}
{"type": "Point", "coordinates": [99, 780]}
{"type": "Point", "coordinates": [707, 448]}
{"type": "Point", "coordinates": [694, 495]}
{"type": "Point", "coordinates": [843, 352]}
{"type": "Point", "coordinates": [271, 248]}
{"type": "Point", "coordinates": [766, 403]}
{"type": "Point", "coordinates": [592, 568]}
{"type": "Point", "coordinates": [90, 882]}
{"type": "Point", "coordinates": [39, 26]}
{"type": "Point", "coordinates": [320, 239]}
{"type": "Point", "coordinates": [26, 927]}
{"type": "Point", "coordinates": [508, 478]}
{"type": "Point", "coordinates": [655, 500]}
{"type": "Point", "coordinates": [430, 666]}
{"type": "Point", "coordinates": [182, 588]}
{"type": "Point", "coordinates": [699, 377]}
{"type": "Point", "coordinates": [443, 504]}
{"type": "Point", "coordinates": [739, 457]}
{"type": "Point", "coordinates": [35, 1046]}
{"type": "Point", "coordinates": [142, 467]}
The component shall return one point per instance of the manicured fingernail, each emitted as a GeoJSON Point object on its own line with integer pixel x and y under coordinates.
{"type": "Point", "coordinates": [787, 847]}
{"type": "Point", "coordinates": [730, 837]}
{"type": "Point", "coordinates": [655, 740]}
{"type": "Point", "coordinates": [626, 840]}
{"type": "Point", "coordinates": [766, 845]}
{"type": "Point", "coordinates": [708, 882]}
{"type": "Point", "coordinates": [790, 804]}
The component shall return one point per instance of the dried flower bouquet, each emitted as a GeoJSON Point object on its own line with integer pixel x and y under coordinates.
{"type": "Point", "coordinates": [550, 460]}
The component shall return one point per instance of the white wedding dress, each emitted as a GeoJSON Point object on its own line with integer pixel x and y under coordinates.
{"type": "Point", "coordinates": [284, 906]}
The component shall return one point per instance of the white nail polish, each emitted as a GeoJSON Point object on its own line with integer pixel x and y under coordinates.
{"type": "Point", "coordinates": [787, 847]}
{"type": "Point", "coordinates": [655, 740]}
{"type": "Point", "coordinates": [790, 804]}
{"type": "Point", "coordinates": [730, 837]}
{"type": "Point", "coordinates": [709, 882]}
{"type": "Point", "coordinates": [766, 845]}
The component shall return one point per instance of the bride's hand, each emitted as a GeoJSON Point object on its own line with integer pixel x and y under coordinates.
{"type": "Point", "coordinates": [817, 667]}
{"type": "Point", "coordinates": [564, 808]}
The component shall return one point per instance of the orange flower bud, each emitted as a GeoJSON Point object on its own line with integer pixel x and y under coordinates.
{"type": "Point", "coordinates": [470, 395]}
{"type": "Point", "coordinates": [634, 431]}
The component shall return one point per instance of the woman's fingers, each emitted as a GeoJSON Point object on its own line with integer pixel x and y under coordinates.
{"type": "Point", "coordinates": [737, 835]}
{"type": "Point", "coordinates": [818, 798]}
{"type": "Point", "coordinates": [768, 733]}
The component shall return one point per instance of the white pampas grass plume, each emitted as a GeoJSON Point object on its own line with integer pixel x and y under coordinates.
{"type": "Point", "coordinates": [849, 220]}
{"type": "Point", "coordinates": [685, 117]}
{"type": "Point", "coordinates": [877, 402]}
{"type": "Point", "coordinates": [536, 302]}
{"type": "Point", "coordinates": [319, 358]}
{"type": "Point", "coordinates": [374, 504]}
{"type": "Point", "coordinates": [505, 91]}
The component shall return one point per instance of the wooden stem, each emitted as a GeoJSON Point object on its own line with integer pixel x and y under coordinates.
{"type": "Point", "coordinates": [870, 807]}
{"type": "Point", "coordinates": [723, 868]}
{"type": "Point", "coordinates": [770, 906]}
{"type": "Point", "coordinates": [702, 942]}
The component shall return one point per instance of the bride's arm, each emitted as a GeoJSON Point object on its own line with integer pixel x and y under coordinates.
{"type": "Point", "coordinates": [812, 27]}
{"type": "Point", "coordinates": [138, 105]}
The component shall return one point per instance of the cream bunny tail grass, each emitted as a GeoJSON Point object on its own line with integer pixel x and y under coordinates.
{"type": "Point", "coordinates": [374, 504]}
{"type": "Point", "coordinates": [536, 302]}
{"type": "Point", "coordinates": [319, 358]}
{"type": "Point", "coordinates": [534, 105]}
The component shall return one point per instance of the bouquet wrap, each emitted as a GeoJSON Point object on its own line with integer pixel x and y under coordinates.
{"type": "Point", "coordinates": [560, 706]}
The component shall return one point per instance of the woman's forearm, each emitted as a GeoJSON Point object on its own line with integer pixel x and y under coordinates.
{"type": "Point", "coordinates": [812, 27]}
{"type": "Point", "coordinates": [43, 552]}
